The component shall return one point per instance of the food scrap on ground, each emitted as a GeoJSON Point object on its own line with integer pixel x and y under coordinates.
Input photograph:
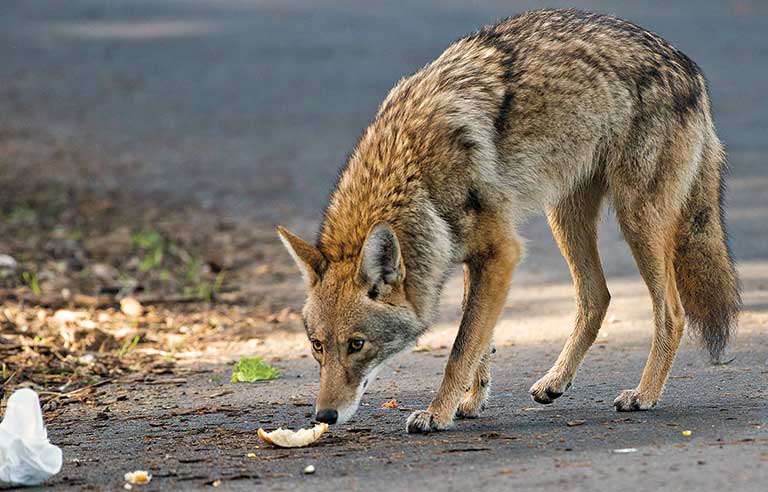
{"type": "Point", "coordinates": [286, 438]}
{"type": "Point", "coordinates": [138, 477]}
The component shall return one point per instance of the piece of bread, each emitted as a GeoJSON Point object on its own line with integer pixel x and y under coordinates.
{"type": "Point", "coordinates": [286, 438]}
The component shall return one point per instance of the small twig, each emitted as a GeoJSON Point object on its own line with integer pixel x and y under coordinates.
{"type": "Point", "coordinates": [79, 390]}
{"type": "Point", "coordinates": [465, 450]}
{"type": "Point", "coordinates": [10, 378]}
{"type": "Point", "coordinates": [219, 393]}
{"type": "Point", "coordinates": [170, 299]}
{"type": "Point", "coordinates": [185, 299]}
{"type": "Point", "coordinates": [725, 362]}
{"type": "Point", "coordinates": [58, 355]}
{"type": "Point", "coordinates": [166, 381]}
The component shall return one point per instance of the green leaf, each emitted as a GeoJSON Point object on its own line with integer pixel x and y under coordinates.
{"type": "Point", "coordinates": [250, 369]}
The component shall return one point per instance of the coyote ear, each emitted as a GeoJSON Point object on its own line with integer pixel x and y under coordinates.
{"type": "Point", "coordinates": [381, 264]}
{"type": "Point", "coordinates": [309, 259]}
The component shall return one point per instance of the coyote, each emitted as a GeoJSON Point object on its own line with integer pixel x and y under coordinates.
{"type": "Point", "coordinates": [550, 110]}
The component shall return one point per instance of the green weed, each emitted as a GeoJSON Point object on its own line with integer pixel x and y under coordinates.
{"type": "Point", "coordinates": [152, 245]}
{"type": "Point", "coordinates": [32, 281]}
{"type": "Point", "coordinates": [128, 345]}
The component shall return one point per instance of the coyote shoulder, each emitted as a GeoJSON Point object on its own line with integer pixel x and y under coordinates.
{"type": "Point", "coordinates": [552, 110]}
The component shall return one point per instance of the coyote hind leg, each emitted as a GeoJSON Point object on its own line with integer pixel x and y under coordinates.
{"type": "Point", "coordinates": [574, 225]}
{"type": "Point", "coordinates": [649, 208]}
{"type": "Point", "coordinates": [654, 258]}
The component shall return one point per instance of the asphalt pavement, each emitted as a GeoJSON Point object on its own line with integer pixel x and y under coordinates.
{"type": "Point", "coordinates": [249, 108]}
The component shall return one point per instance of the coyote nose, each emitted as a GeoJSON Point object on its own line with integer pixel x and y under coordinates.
{"type": "Point", "coordinates": [327, 415]}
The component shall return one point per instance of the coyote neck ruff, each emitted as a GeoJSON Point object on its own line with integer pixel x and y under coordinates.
{"type": "Point", "coordinates": [550, 110]}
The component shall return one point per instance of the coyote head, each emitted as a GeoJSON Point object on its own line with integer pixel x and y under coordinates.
{"type": "Point", "coordinates": [357, 316]}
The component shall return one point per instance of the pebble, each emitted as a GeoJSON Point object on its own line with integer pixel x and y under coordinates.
{"type": "Point", "coordinates": [131, 307]}
{"type": "Point", "coordinates": [8, 262]}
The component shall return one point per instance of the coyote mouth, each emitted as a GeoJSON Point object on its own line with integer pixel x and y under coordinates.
{"type": "Point", "coordinates": [346, 413]}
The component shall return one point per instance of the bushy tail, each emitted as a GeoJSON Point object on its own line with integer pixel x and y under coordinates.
{"type": "Point", "coordinates": [705, 273]}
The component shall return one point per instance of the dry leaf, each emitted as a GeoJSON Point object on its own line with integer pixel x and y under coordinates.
{"type": "Point", "coordinates": [389, 404]}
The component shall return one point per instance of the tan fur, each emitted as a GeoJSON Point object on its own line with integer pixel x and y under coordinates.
{"type": "Point", "coordinates": [550, 110]}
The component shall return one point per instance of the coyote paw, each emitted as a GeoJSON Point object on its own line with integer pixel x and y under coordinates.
{"type": "Point", "coordinates": [424, 421]}
{"type": "Point", "coordinates": [474, 402]}
{"type": "Point", "coordinates": [632, 401]}
{"type": "Point", "coordinates": [548, 389]}
{"type": "Point", "coordinates": [471, 406]}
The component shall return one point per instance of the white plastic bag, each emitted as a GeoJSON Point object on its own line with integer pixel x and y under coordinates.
{"type": "Point", "coordinates": [26, 455]}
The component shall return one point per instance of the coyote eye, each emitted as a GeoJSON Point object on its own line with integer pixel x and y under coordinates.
{"type": "Point", "coordinates": [317, 346]}
{"type": "Point", "coordinates": [356, 345]}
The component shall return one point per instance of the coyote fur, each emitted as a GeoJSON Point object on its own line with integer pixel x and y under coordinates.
{"type": "Point", "coordinates": [553, 110]}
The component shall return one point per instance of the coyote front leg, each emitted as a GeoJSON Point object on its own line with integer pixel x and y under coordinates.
{"type": "Point", "coordinates": [476, 395]}
{"type": "Point", "coordinates": [489, 273]}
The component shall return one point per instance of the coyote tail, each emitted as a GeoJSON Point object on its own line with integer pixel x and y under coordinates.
{"type": "Point", "coordinates": [704, 268]}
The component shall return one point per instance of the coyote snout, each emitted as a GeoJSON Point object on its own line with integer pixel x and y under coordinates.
{"type": "Point", "coordinates": [344, 376]}
{"type": "Point", "coordinates": [342, 382]}
{"type": "Point", "coordinates": [356, 316]}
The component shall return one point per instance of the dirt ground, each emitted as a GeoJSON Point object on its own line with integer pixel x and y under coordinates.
{"type": "Point", "coordinates": [124, 180]}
